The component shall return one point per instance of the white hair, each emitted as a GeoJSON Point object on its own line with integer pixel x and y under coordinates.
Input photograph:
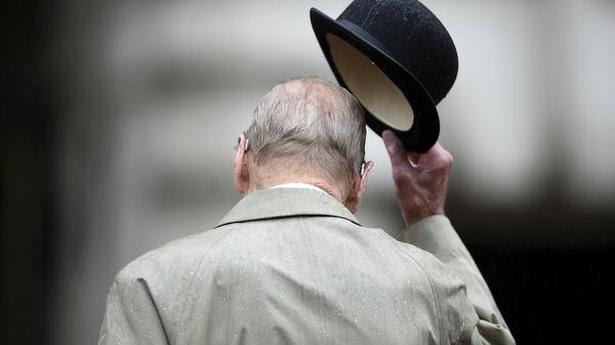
{"type": "Point", "coordinates": [312, 122]}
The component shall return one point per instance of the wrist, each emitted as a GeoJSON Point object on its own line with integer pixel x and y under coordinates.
{"type": "Point", "coordinates": [411, 218]}
{"type": "Point", "coordinates": [430, 229]}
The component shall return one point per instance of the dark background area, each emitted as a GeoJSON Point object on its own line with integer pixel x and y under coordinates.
{"type": "Point", "coordinates": [549, 294]}
{"type": "Point", "coordinates": [28, 118]}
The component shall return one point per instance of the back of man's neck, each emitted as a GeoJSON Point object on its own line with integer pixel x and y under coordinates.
{"type": "Point", "coordinates": [299, 185]}
{"type": "Point", "coordinates": [297, 182]}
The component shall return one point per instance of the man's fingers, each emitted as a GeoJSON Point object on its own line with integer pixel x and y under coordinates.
{"type": "Point", "coordinates": [437, 158]}
{"type": "Point", "coordinates": [415, 159]}
{"type": "Point", "coordinates": [396, 150]}
{"type": "Point", "coordinates": [420, 160]}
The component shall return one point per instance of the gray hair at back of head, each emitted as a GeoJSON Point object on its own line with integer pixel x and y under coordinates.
{"type": "Point", "coordinates": [311, 122]}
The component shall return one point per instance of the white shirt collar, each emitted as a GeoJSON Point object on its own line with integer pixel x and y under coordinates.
{"type": "Point", "coordinates": [297, 185]}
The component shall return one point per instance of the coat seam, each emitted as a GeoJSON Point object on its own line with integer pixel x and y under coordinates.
{"type": "Point", "coordinates": [433, 292]}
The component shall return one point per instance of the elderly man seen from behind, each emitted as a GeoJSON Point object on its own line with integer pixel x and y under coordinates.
{"type": "Point", "coordinates": [290, 263]}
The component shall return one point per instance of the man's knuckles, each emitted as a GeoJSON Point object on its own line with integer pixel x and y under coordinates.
{"type": "Point", "coordinates": [443, 162]}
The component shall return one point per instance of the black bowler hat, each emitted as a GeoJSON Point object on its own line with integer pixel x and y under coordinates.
{"type": "Point", "coordinates": [399, 61]}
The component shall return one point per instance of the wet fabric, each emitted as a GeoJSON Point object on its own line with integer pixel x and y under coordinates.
{"type": "Point", "coordinates": [294, 266]}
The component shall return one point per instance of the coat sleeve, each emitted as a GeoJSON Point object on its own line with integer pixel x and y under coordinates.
{"type": "Point", "coordinates": [471, 296]}
{"type": "Point", "coordinates": [131, 316]}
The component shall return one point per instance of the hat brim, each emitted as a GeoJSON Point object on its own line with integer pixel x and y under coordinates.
{"type": "Point", "coordinates": [426, 125]}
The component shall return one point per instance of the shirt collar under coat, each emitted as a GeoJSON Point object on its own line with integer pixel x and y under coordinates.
{"type": "Point", "coordinates": [286, 202]}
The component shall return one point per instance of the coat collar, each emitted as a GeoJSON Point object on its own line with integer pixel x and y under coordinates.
{"type": "Point", "coordinates": [286, 202]}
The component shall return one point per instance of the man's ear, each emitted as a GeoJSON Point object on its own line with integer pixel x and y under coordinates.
{"type": "Point", "coordinates": [368, 167]}
{"type": "Point", "coordinates": [353, 202]}
{"type": "Point", "coordinates": [242, 177]}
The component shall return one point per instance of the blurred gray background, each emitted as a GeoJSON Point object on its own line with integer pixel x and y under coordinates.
{"type": "Point", "coordinates": [131, 110]}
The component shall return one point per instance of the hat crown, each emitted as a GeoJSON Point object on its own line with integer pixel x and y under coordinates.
{"type": "Point", "coordinates": [412, 35]}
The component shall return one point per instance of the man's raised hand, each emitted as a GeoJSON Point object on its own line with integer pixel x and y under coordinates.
{"type": "Point", "coordinates": [421, 184]}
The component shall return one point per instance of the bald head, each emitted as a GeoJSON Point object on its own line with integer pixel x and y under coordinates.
{"type": "Point", "coordinates": [307, 126]}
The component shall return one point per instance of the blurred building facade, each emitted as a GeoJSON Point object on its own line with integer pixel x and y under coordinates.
{"type": "Point", "coordinates": [152, 95]}
{"type": "Point", "coordinates": [161, 90]}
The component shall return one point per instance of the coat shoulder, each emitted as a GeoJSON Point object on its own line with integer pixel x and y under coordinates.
{"type": "Point", "coordinates": [437, 272]}
{"type": "Point", "coordinates": [174, 259]}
